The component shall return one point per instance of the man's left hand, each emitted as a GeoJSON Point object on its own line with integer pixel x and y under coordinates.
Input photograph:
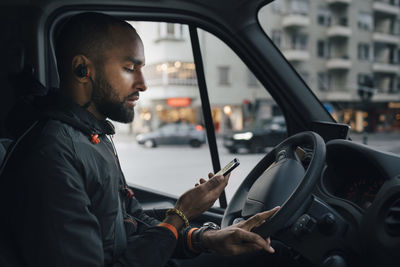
{"type": "Point", "coordinates": [238, 239]}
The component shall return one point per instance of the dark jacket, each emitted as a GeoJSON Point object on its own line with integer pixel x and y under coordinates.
{"type": "Point", "coordinates": [65, 192]}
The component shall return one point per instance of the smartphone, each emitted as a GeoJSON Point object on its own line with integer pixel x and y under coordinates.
{"type": "Point", "coordinates": [229, 167]}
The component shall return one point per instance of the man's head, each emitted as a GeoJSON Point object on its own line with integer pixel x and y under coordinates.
{"type": "Point", "coordinates": [100, 60]}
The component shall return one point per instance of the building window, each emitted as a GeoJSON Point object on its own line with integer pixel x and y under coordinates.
{"type": "Point", "coordinates": [322, 49]}
{"type": "Point", "coordinates": [251, 79]}
{"type": "Point", "coordinates": [365, 80]}
{"type": "Point", "coordinates": [171, 73]}
{"type": "Point", "coordinates": [323, 81]}
{"type": "Point", "coordinates": [323, 16]}
{"type": "Point", "coordinates": [364, 21]}
{"type": "Point", "coordinates": [299, 41]}
{"type": "Point", "coordinates": [397, 84]}
{"type": "Point", "coordinates": [299, 7]}
{"type": "Point", "coordinates": [223, 75]}
{"type": "Point", "coordinates": [363, 51]}
{"type": "Point", "coordinates": [276, 37]}
{"type": "Point", "coordinates": [170, 31]}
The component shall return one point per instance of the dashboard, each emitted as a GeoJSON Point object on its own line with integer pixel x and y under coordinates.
{"type": "Point", "coordinates": [354, 173]}
{"type": "Point", "coordinates": [357, 184]}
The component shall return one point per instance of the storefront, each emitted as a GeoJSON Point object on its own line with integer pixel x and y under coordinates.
{"type": "Point", "coordinates": [372, 117]}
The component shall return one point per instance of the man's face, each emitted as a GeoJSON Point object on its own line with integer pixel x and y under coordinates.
{"type": "Point", "coordinates": [119, 76]}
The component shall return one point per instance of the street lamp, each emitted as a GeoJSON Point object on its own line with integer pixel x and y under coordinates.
{"type": "Point", "coordinates": [366, 91]}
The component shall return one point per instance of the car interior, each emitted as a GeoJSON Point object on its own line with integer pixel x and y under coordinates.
{"type": "Point", "coordinates": [340, 200]}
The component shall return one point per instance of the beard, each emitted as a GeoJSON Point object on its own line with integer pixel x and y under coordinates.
{"type": "Point", "coordinates": [107, 101]}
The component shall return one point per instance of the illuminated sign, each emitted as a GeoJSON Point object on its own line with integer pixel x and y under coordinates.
{"type": "Point", "coordinates": [178, 102]}
{"type": "Point", "coordinates": [394, 105]}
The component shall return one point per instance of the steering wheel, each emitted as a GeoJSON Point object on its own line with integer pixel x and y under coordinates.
{"type": "Point", "coordinates": [279, 179]}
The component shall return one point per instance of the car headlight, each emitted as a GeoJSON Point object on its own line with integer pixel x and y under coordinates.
{"type": "Point", "coordinates": [139, 137]}
{"type": "Point", "coordinates": [243, 136]}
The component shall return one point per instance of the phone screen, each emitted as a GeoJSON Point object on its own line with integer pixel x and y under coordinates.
{"type": "Point", "coordinates": [229, 167]}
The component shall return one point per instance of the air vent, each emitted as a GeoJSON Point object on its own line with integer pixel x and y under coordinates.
{"type": "Point", "coordinates": [392, 220]}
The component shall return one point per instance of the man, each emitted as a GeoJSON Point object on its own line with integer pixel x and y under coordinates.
{"type": "Point", "coordinates": [71, 204]}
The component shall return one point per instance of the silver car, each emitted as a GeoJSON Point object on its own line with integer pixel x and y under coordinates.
{"type": "Point", "coordinates": [174, 134]}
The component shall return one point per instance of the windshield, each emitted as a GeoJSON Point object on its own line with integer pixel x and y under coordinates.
{"type": "Point", "coordinates": [348, 54]}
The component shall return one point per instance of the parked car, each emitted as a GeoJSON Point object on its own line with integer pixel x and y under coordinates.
{"type": "Point", "coordinates": [174, 134]}
{"type": "Point", "coordinates": [257, 137]}
{"type": "Point", "coordinates": [340, 200]}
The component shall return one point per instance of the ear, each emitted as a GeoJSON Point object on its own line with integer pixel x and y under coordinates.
{"type": "Point", "coordinates": [81, 68]}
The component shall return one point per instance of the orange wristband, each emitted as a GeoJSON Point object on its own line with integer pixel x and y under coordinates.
{"type": "Point", "coordinates": [189, 240]}
{"type": "Point", "coordinates": [170, 227]}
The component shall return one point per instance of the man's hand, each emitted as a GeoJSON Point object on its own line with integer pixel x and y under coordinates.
{"type": "Point", "coordinates": [200, 198]}
{"type": "Point", "coordinates": [237, 239]}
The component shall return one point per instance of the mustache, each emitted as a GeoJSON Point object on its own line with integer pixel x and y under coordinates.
{"type": "Point", "coordinates": [132, 95]}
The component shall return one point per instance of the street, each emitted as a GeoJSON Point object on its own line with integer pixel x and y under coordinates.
{"type": "Point", "coordinates": [175, 169]}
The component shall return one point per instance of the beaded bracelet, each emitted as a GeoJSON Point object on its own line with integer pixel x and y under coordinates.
{"type": "Point", "coordinates": [180, 214]}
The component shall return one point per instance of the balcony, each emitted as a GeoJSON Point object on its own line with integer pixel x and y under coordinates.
{"type": "Point", "coordinates": [385, 8]}
{"type": "Point", "coordinates": [382, 67]}
{"type": "Point", "coordinates": [295, 20]}
{"type": "Point", "coordinates": [339, 31]}
{"type": "Point", "coordinates": [338, 64]}
{"type": "Point", "coordinates": [339, 2]}
{"type": "Point", "coordinates": [296, 55]}
{"type": "Point", "coordinates": [388, 38]}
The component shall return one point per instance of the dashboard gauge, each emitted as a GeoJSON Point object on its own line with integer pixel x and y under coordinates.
{"type": "Point", "coordinates": [361, 191]}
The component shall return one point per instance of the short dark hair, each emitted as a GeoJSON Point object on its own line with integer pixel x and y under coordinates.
{"type": "Point", "coordinates": [87, 34]}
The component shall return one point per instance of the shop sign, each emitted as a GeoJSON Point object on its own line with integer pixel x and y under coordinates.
{"type": "Point", "coordinates": [178, 102]}
{"type": "Point", "coordinates": [394, 105]}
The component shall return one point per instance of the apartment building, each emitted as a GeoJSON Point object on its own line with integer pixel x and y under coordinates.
{"type": "Point", "coordinates": [345, 50]}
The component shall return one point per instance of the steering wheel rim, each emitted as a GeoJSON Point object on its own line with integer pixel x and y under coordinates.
{"type": "Point", "coordinates": [297, 198]}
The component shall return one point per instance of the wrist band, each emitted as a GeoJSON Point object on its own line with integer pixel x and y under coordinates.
{"type": "Point", "coordinates": [189, 240]}
{"type": "Point", "coordinates": [170, 227]}
{"type": "Point", "coordinates": [180, 214]}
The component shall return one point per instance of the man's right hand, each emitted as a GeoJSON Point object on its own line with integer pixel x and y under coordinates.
{"type": "Point", "coordinates": [200, 198]}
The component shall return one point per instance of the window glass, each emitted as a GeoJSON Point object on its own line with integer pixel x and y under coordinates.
{"type": "Point", "coordinates": [165, 147]}
{"type": "Point", "coordinates": [364, 21]}
{"type": "Point", "coordinates": [166, 143]}
{"type": "Point", "coordinates": [247, 120]}
{"type": "Point", "coordinates": [352, 62]}
{"type": "Point", "coordinates": [323, 16]}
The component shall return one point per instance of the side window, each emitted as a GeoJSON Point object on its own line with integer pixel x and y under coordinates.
{"type": "Point", "coordinates": [165, 148]}
{"type": "Point", "coordinates": [248, 122]}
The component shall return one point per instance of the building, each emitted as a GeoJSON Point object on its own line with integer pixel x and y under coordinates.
{"type": "Point", "coordinates": [345, 50]}
{"type": "Point", "coordinates": [174, 95]}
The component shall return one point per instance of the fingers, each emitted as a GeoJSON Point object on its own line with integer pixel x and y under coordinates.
{"type": "Point", "coordinates": [201, 181]}
{"type": "Point", "coordinates": [269, 248]}
{"type": "Point", "coordinates": [210, 174]}
{"type": "Point", "coordinates": [255, 242]}
{"type": "Point", "coordinates": [216, 183]}
{"type": "Point", "coordinates": [259, 218]}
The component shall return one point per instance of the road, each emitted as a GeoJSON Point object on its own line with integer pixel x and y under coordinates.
{"type": "Point", "coordinates": [175, 169]}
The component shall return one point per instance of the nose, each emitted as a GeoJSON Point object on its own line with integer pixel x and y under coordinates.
{"type": "Point", "coordinates": [140, 82]}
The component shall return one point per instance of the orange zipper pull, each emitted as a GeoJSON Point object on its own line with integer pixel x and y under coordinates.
{"type": "Point", "coordinates": [94, 138]}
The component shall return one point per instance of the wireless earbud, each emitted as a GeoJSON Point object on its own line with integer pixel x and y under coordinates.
{"type": "Point", "coordinates": [81, 71]}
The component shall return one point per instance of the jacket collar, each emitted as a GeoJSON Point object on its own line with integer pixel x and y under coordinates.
{"type": "Point", "coordinates": [64, 109]}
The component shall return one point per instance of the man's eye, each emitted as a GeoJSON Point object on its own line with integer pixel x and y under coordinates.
{"type": "Point", "coordinates": [130, 69]}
